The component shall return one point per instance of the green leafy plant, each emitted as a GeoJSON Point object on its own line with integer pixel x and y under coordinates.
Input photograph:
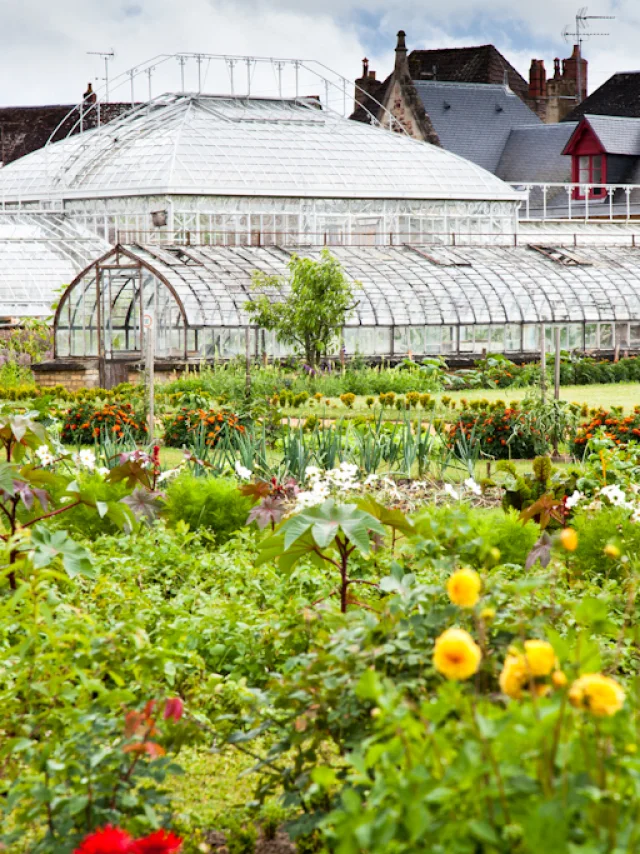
{"type": "Point", "coordinates": [319, 300]}
{"type": "Point", "coordinates": [325, 535]}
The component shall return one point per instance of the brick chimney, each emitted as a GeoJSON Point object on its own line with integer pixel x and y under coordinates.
{"type": "Point", "coordinates": [367, 85]}
{"type": "Point", "coordinates": [537, 79]}
{"type": "Point", "coordinates": [89, 96]}
{"type": "Point", "coordinates": [570, 72]}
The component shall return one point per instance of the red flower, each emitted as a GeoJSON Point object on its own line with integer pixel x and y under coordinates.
{"type": "Point", "coordinates": [160, 842]}
{"type": "Point", "coordinates": [173, 708]}
{"type": "Point", "coordinates": [111, 840]}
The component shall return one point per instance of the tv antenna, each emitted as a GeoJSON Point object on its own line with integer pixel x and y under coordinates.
{"type": "Point", "coordinates": [582, 25]}
{"type": "Point", "coordinates": [107, 57]}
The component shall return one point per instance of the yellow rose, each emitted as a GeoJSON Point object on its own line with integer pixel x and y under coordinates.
{"type": "Point", "coordinates": [559, 679]}
{"type": "Point", "coordinates": [514, 675]}
{"type": "Point", "coordinates": [456, 654]}
{"type": "Point", "coordinates": [569, 539]}
{"type": "Point", "coordinates": [541, 658]}
{"type": "Point", "coordinates": [598, 694]}
{"type": "Point", "coordinates": [464, 588]}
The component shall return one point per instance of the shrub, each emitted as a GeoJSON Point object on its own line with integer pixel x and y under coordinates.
{"type": "Point", "coordinates": [348, 399]}
{"type": "Point", "coordinates": [181, 429]}
{"type": "Point", "coordinates": [207, 502]}
{"type": "Point", "coordinates": [84, 422]}
{"type": "Point", "coordinates": [501, 434]}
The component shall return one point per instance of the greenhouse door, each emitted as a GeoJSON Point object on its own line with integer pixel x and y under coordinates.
{"type": "Point", "coordinates": [112, 373]}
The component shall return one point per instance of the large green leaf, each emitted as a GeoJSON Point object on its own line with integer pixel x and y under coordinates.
{"type": "Point", "coordinates": [327, 520]}
{"type": "Point", "coordinates": [48, 545]}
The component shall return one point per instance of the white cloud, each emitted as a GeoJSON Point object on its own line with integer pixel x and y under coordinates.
{"type": "Point", "coordinates": [43, 45]}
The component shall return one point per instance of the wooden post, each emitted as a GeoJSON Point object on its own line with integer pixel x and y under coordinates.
{"type": "Point", "coordinates": [247, 349]}
{"type": "Point", "coordinates": [543, 361]}
{"type": "Point", "coordinates": [150, 357]}
{"type": "Point", "coordinates": [556, 373]}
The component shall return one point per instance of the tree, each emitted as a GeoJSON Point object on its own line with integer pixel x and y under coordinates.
{"type": "Point", "coordinates": [318, 301]}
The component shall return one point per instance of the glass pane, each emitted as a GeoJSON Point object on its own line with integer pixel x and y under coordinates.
{"type": "Point", "coordinates": [606, 336]}
{"type": "Point", "coordinates": [590, 336]}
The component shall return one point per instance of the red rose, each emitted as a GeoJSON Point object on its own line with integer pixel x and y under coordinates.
{"type": "Point", "coordinates": [160, 842]}
{"type": "Point", "coordinates": [173, 709]}
{"type": "Point", "coordinates": [109, 840]}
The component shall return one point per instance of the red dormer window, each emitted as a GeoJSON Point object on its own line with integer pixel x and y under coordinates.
{"type": "Point", "coordinates": [588, 161]}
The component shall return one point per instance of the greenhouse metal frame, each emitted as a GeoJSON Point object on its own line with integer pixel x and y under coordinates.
{"type": "Point", "coordinates": [420, 300]}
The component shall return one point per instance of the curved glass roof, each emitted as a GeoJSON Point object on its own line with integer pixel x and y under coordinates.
{"type": "Point", "coordinates": [410, 285]}
{"type": "Point", "coordinates": [39, 254]}
{"type": "Point", "coordinates": [208, 145]}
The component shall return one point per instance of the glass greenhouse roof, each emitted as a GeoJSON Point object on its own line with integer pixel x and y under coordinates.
{"type": "Point", "coordinates": [410, 285]}
{"type": "Point", "coordinates": [38, 255]}
{"type": "Point", "coordinates": [208, 145]}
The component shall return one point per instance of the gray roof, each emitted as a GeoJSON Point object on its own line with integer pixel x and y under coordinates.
{"type": "Point", "coordinates": [618, 134]}
{"type": "Point", "coordinates": [474, 120]}
{"type": "Point", "coordinates": [534, 154]}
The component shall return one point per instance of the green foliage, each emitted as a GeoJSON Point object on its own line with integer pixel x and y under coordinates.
{"type": "Point", "coordinates": [211, 503]}
{"type": "Point", "coordinates": [319, 300]}
{"type": "Point", "coordinates": [241, 838]}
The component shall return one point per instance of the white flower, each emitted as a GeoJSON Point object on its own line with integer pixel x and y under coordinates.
{"type": "Point", "coordinates": [44, 455]}
{"type": "Point", "coordinates": [311, 498]}
{"type": "Point", "coordinates": [472, 486]}
{"type": "Point", "coordinates": [242, 472]}
{"type": "Point", "coordinates": [312, 472]}
{"type": "Point", "coordinates": [170, 473]}
{"type": "Point", "coordinates": [451, 492]}
{"type": "Point", "coordinates": [574, 499]}
{"type": "Point", "coordinates": [614, 494]}
{"type": "Point", "coordinates": [103, 471]}
{"type": "Point", "coordinates": [87, 459]}
{"type": "Point", "coordinates": [371, 479]}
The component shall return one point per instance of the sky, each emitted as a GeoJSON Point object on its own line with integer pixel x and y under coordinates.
{"type": "Point", "coordinates": [44, 44]}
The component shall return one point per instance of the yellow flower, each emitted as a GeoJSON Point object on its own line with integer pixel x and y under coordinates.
{"type": "Point", "coordinates": [569, 539]}
{"type": "Point", "coordinates": [559, 679]}
{"type": "Point", "coordinates": [612, 551]}
{"type": "Point", "coordinates": [514, 675]}
{"type": "Point", "coordinates": [456, 654]}
{"type": "Point", "coordinates": [464, 588]}
{"type": "Point", "coordinates": [488, 614]}
{"type": "Point", "coordinates": [600, 695]}
{"type": "Point", "coordinates": [540, 657]}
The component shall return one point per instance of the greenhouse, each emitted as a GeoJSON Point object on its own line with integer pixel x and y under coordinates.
{"type": "Point", "coordinates": [412, 300]}
{"type": "Point", "coordinates": [256, 171]}
{"type": "Point", "coordinates": [40, 254]}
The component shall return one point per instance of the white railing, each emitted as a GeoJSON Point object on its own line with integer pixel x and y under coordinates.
{"type": "Point", "coordinates": [552, 201]}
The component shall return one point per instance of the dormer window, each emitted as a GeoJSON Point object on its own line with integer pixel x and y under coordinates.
{"type": "Point", "coordinates": [589, 169]}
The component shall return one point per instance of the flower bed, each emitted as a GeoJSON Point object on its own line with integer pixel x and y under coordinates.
{"type": "Point", "coordinates": [620, 428]}
{"type": "Point", "coordinates": [501, 433]}
{"type": "Point", "coordinates": [84, 423]}
{"type": "Point", "coordinates": [185, 426]}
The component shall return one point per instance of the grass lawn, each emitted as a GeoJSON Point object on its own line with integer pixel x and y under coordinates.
{"type": "Point", "coordinates": [611, 394]}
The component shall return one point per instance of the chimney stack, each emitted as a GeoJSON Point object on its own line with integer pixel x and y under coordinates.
{"type": "Point", "coordinates": [401, 67]}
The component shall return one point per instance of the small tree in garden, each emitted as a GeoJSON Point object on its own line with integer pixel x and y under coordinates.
{"type": "Point", "coordinates": [319, 300]}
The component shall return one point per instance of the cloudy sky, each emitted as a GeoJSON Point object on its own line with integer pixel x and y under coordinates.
{"type": "Point", "coordinates": [44, 43]}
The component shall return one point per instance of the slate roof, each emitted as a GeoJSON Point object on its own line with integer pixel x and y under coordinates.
{"type": "Point", "coordinates": [534, 153]}
{"type": "Point", "coordinates": [618, 96]}
{"type": "Point", "coordinates": [474, 120]}
{"type": "Point", "coordinates": [617, 134]}
{"type": "Point", "coordinates": [478, 64]}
